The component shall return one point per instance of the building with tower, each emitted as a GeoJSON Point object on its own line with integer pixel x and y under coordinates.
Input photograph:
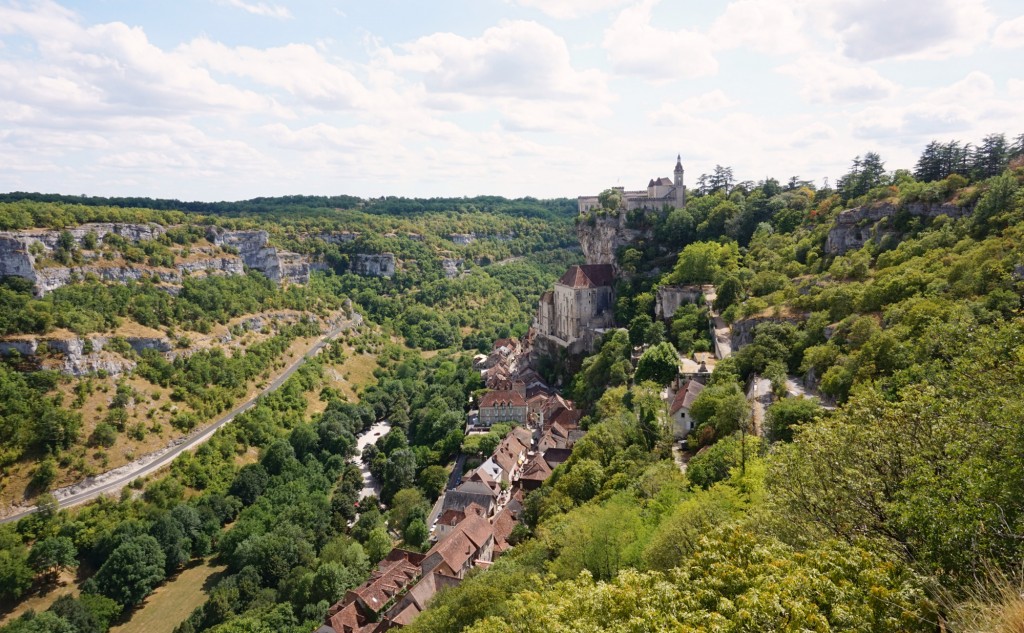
{"type": "Point", "coordinates": [660, 192]}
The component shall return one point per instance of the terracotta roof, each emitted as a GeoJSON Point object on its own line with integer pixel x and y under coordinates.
{"type": "Point", "coordinates": [385, 582]}
{"type": "Point", "coordinates": [345, 619]}
{"type": "Point", "coordinates": [537, 469]}
{"type": "Point", "coordinates": [459, 546]}
{"type": "Point", "coordinates": [556, 456]}
{"type": "Point", "coordinates": [685, 397]}
{"type": "Point", "coordinates": [502, 397]}
{"type": "Point", "coordinates": [588, 276]}
{"type": "Point", "coordinates": [567, 418]}
{"type": "Point", "coordinates": [503, 524]}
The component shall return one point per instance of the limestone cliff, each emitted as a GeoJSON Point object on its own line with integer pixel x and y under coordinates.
{"type": "Point", "coordinates": [373, 265]}
{"type": "Point", "coordinates": [601, 236]}
{"type": "Point", "coordinates": [256, 253]}
{"type": "Point", "coordinates": [855, 227]}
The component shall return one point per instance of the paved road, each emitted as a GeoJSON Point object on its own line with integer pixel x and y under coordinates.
{"type": "Point", "coordinates": [92, 487]}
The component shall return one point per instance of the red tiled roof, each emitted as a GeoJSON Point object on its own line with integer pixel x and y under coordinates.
{"type": "Point", "coordinates": [502, 397]}
{"type": "Point", "coordinates": [537, 469]}
{"type": "Point", "coordinates": [588, 276]}
{"type": "Point", "coordinates": [685, 397]}
{"type": "Point", "coordinates": [457, 547]}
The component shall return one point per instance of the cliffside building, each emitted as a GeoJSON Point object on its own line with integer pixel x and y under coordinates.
{"type": "Point", "coordinates": [659, 193]}
{"type": "Point", "coordinates": [573, 315]}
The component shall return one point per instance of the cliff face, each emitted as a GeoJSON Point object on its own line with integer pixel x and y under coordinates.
{"type": "Point", "coordinates": [601, 236]}
{"type": "Point", "coordinates": [257, 254]}
{"type": "Point", "coordinates": [78, 356]}
{"type": "Point", "coordinates": [370, 265]}
{"type": "Point", "coordinates": [855, 227]}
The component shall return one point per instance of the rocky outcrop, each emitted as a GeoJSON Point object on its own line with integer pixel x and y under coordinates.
{"type": "Point", "coordinates": [373, 265]}
{"type": "Point", "coordinates": [226, 265]}
{"type": "Point", "coordinates": [256, 253]}
{"type": "Point", "coordinates": [601, 236]}
{"type": "Point", "coordinates": [78, 356]}
{"type": "Point", "coordinates": [451, 267]}
{"type": "Point", "coordinates": [15, 258]}
{"type": "Point", "coordinates": [855, 227]}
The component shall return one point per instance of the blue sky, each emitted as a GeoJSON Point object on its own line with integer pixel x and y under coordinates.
{"type": "Point", "coordinates": [231, 99]}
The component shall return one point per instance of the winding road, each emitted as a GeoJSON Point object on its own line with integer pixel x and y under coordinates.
{"type": "Point", "coordinates": [116, 479]}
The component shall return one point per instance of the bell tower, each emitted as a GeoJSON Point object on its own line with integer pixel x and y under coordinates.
{"type": "Point", "coordinates": [680, 187]}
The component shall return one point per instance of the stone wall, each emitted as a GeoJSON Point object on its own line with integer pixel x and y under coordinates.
{"type": "Point", "coordinates": [669, 298]}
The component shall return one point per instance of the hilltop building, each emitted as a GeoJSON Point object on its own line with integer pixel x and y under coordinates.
{"type": "Point", "coordinates": [660, 192]}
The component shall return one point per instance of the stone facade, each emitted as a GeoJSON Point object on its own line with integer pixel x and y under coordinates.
{"type": "Point", "coordinates": [669, 298]}
{"type": "Point", "coordinates": [581, 303]}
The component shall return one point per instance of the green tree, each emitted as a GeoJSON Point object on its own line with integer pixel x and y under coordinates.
{"type": "Point", "coordinates": [721, 405]}
{"type": "Point", "coordinates": [131, 572]}
{"type": "Point", "coordinates": [786, 414]}
{"type": "Point", "coordinates": [658, 364]}
{"type": "Point", "coordinates": [53, 554]}
{"type": "Point", "coordinates": [15, 573]}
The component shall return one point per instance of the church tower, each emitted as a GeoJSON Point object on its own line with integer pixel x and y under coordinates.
{"type": "Point", "coordinates": [680, 187]}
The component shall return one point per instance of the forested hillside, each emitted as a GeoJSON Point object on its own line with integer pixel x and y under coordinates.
{"type": "Point", "coordinates": [889, 499]}
{"type": "Point", "coordinates": [146, 338]}
{"type": "Point", "coordinates": [896, 506]}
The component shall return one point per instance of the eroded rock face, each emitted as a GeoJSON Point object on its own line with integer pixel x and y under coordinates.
{"type": "Point", "coordinates": [373, 265]}
{"type": "Point", "coordinates": [78, 356]}
{"type": "Point", "coordinates": [855, 227]}
{"type": "Point", "coordinates": [602, 236]}
{"type": "Point", "coordinates": [451, 267]}
{"type": "Point", "coordinates": [257, 254]}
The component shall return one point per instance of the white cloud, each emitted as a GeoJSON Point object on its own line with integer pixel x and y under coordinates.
{"type": "Point", "coordinates": [869, 30]}
{"type": "Point", "coordinates": [829, 81]}
{"type": "Point", "coordinates": [298, 69]}
{"type": "Point", "coordinates": [569, 9]}
{"type": "Point", "coordinates": [514, 59]}
{"type": "Point", "coordinates": [636, 47]}
{"type": "Point", "coordinates": [766, 26]}
{"type": "Point", "coordinates": [685, 111]}
{"type": "Point", "coordinates": [1015, 88]}
{"type": "Point", "coordinates": [1010, 34]}
{"type": "Point", "coordinates": [959, 108]}
{"type": "Point", "coordinates": [261, 8]}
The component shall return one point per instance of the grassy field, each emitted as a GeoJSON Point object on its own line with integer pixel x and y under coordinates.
{"type": "Point", "coordinates": [171, 603]}
{"type": "Point", "coordinates": [41, 602]}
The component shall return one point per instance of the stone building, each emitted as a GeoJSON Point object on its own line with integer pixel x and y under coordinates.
{"type": "Point", "coordinates": [581, 304]}
{"type": "Point", "coordinates": [660, 192]}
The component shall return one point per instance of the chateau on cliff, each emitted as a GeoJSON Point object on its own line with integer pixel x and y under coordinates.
{"type": "Point", "coordinates": [659, 193]}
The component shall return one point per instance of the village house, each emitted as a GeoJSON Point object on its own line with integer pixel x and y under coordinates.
{"type": "Point", "coordinates": [679, 412]}
{"type": "Point", "coordinates": [699, 367]}
{"type": "Point", "coordinates": [504, 405]}
{"type": "Point", "coordinates": [470, 541]}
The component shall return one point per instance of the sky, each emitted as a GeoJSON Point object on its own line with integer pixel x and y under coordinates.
{"type": "Point", "coordinates": [233, 99]}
